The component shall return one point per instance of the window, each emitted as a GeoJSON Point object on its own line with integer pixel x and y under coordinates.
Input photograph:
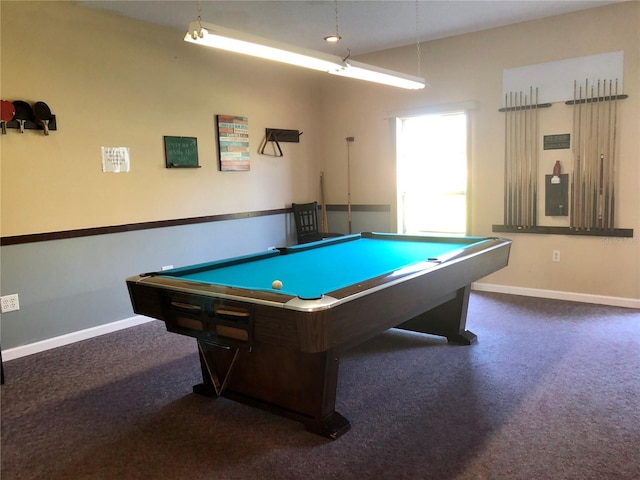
{"type": "Point", "coordinates": [432, 174]}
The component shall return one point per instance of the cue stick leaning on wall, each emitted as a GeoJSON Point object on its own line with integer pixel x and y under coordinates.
{"type": "Point", "coordinates": [325, 220]}
{"type": "Point", "coordinates": [349, 141]}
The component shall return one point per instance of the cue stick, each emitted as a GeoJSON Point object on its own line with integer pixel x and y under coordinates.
{"type": "Point", "coordinates": [607, 179]}
{"type": "Point", "coordinates": [514, 160]}
{"type": "Point", "coordinates": [583, 116]}
{"type": "Point", "coordinates": [525, 161]}
{"type": "Point", "coordinates": [506, 160]}
{"type": "Point", "coordinates": [613, 156]}
{"type": "Point", "coordinates": [525, 164]}
{"type": "Point", "coordinates": [598, 172]}
{"type": "Point", "coordinates": [517, 160]}
{"type": "Point", "coordinates": [531, 159]}
{"type": "Point", "coordinates": [511, 157]}
{"type": "Point", "coordinates": [573, 146]}
{"type": "Point", "coordinates": [582, 121]}
{"type": "Point", "coordinates": [585, 176]}
{"type": "Point", "coordinates": [523, 188]}
{"type": "Point", "coordinates": [520, 158]}
{"type": "Point", "coordinates": [325, 221]}
{"type": "Point", "coordinates": [513, 121]}
{"type": "Point", "coordinates": [601, 192]}
{"type": "Point", "coordinates": [594, 157]}
{"type": "Point", "coordinates": [578, 174]}
{"type": "Point", "coordinates": [589, 161]}
{"type": "Point", "coordinates": [606, 147]}
{"type": "Point", "coordinates": [349, 140]}
{"type": "Point", "coordinates": [536, 150]}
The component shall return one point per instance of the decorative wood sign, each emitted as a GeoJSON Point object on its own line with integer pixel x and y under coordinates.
{"type": "Point", "coordinates": [233, 143]}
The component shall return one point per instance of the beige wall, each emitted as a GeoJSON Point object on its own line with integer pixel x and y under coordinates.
{"type": "Point", "coordinates": [468, 68]}
{"type": "Point", "coordinates": [112, 81]}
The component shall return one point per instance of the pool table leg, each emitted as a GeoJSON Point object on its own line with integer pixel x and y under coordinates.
{"type": "Point", "coordinates": [331, 427]}
{"type": "Point", "coordinates": [447, 319]}
{"type": "Point", "coordinates": [293, 384]}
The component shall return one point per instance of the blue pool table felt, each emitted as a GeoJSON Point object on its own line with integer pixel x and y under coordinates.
{"type": "Point", "coordinates": [310, 273]}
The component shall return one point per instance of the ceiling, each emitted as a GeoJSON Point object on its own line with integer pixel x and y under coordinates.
{"type": "Point", "coordinates": [365, 26]}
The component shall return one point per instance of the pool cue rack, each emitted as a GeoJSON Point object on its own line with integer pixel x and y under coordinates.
{"type": "Point", "coordinates": [524, 107]}
{"type": "Point", "coordinates": [598, 99]}
{"type": "Point", "coordinates": [551, 230]}
{"type": "Point", "coordinates": [590, 198]}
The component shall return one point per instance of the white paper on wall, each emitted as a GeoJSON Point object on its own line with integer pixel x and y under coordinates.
{"type": "Point", "coordinates": [115, 159]}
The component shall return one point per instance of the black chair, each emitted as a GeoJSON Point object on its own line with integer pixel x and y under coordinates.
{"type": "Point", "coordinates": [307, 226]}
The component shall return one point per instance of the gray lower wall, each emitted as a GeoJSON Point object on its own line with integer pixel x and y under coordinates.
{"type": "Point", "coordinates": [361, 221]}
{"type": "Point", "coordinates": [70, 285]}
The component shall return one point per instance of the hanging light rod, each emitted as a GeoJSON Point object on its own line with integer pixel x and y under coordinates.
{"type": "Point", "coordinates": [215, 36]}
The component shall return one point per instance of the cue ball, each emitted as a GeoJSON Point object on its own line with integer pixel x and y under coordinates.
{"type": "Point", "coordinates": [277, 284]}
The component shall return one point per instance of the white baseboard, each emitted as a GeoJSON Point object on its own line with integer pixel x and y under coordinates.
{"type": "Point", "coordinates": [22, 351]}
{"type": "Point", "coordinates": [558, 295]}
{"type": "Point", "coordinates": [37, 347]}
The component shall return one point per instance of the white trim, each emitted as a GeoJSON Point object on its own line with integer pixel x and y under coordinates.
{"type": "Point", "coordinates": [48, 344]}
{"type": "Point", "coordinates": [558, 295]}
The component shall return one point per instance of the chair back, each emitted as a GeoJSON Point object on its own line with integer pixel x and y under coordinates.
{"type": "Point", "coordinates": [306, 218]}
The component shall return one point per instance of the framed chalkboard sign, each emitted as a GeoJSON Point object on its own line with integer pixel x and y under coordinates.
{"type": "Point", "coordinates": [181, 152]}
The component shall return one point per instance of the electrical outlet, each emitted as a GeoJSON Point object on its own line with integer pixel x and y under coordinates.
{"type": "Point", "coordinates": [555, 256]}
{"type": "Point", "coordinates": [9, 303]}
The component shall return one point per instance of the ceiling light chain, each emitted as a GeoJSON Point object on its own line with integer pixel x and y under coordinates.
{"type": "Point", "coordinates": [337, 21]}
{"type": "Point", "coordinates": [335, 38]}
{"type": "Point", "coordinates": [198, 33]}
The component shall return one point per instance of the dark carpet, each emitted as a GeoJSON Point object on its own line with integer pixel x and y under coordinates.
{"type": "Point", "coordinates": [550, 391]}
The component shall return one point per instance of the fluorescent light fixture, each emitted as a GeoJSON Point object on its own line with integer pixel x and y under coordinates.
{"type": "Point", "coordinates": [362, 71]}
{"type": "Point", "coordinates": [215, 36]}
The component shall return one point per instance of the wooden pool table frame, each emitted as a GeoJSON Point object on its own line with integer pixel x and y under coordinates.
{"type": "Point", "coordinates": [281, 354]}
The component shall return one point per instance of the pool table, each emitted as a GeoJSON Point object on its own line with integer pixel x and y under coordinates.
{"type": "Point", "coordinates": [278, 347]}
